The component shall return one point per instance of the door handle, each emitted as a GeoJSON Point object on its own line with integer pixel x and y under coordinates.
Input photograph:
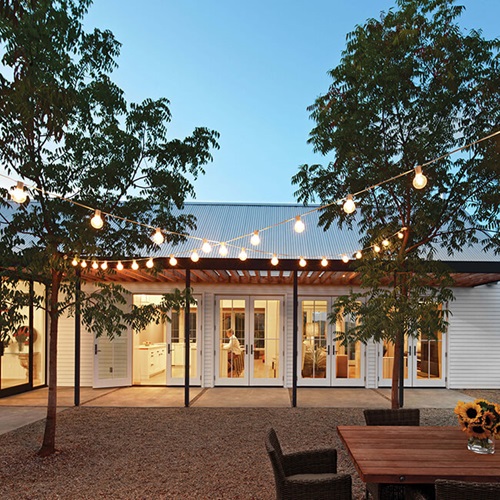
{"type": "Point", "coordinates": [414, 350]}
{"type": "Point", "coordinates": [95, 349]}
{"type": "Point", "coordinates": [168, 348]}
{"type": "Point", "coordinates": [251, 349]}
{"type": "Point", "coordinates": [246, 349]}
{"type": "Point", "coordinates": [328, 350]}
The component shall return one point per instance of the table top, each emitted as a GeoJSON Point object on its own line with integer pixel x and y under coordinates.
{"type": "Point", "coordinates": [421, 454]}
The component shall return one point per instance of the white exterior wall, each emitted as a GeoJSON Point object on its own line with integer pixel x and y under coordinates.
{"type": "Point", "coordinates": [474, 338]}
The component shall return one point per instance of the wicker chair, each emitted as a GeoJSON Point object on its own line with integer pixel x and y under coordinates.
{"type": "Point", "coordinates": [401, 416]}
{"type": "Point", "coordinates": [308, 474]}
{"type": "Point", "coordinates": [446, 489]}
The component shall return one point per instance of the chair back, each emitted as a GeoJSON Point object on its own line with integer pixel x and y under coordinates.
{"type": "Point", "coordinates": [447, 489]}
{"type": "Point", "coordinates": [401, 416]}
{"type": "Point", "coordinates": [275, 453]}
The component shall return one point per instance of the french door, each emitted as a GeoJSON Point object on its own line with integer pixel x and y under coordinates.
{"type": "Point", "coordinates": [424, 364]}
{"type": "Point", "coordinates": [257, 324]}
{"type": "Point", "coordinates": [323, 360]}
{"type": "Point", "coordinates": [111, 361]}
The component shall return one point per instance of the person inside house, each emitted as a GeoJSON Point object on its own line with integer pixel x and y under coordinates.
{"type": "Point", "coordinates": [233, 354]}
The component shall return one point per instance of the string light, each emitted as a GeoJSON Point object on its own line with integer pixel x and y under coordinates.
{"type": "Point", "coordinates": [172, 261]}
{"type": "Point", "coordinates": [223, 250]}
{"type": "Point", "coordinates": [134, 265]}
{"type": "Point", "coordinates": [420, 180]}
{"type": "Point", "coordinates": [299, 225]}
{"type": "Point", "coordinates": [97, 221]}
{"type": "Point", "coordinates": [255, 239]}
{"type": "Point", "coordinates": [74, 262]}
{"type": "Point", "coordinates": [95, 265]}
{"type": "Point", "coordinates": [119, 266]}
{"type": "Point", "coordinates": [302, 262]}
{"type": "Point", "coordinates": [18, 194]}
{"type": "Point", "coordinates": [206, 247]}
{"type": "Point", "coordinates": [376, 248]}
{"type": "Point", "coordinates": [359, 255]}
{"type": "Point", "coordinates": [150, 264]}
{"type": "Point", "coordinates": [349, 205]}
{"type": "Point", "coordinates": [324, 261]}
{"type": "Point", "coordinates": [345, 258]}
{"type": "Point", "coordinates": [274, 260]}
{"type": "Point", "coordinates": [385, 243]}
{"type": "Point", "coordinates": [158, 237]}
{"type": "Point", "coordinates": [104, 266]}
{"type": "Point", "coordinates": [83, 264]}
{"type": "Point", "coordinates": [400, 235]}
{"type": "Point", "coordinates": [194, 256]}
{"type": "Point", "coordinates": [243, 255]}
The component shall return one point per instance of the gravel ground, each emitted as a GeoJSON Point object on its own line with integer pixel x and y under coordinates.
{"type": "Point", "coordinates": [174, 453]}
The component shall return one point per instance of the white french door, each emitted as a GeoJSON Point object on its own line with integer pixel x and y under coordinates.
{"type": "Point", "coordinates": [257, 324]}
{"type": "Point", "coordinates": [424, 362]}
{"type": "Point", "coordinates": [112, 362]}
{"type": "Point", "coordinates": [323, 360]}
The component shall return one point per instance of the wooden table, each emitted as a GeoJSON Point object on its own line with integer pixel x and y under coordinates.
{"type": "Point", "coordinates": [416, 455]}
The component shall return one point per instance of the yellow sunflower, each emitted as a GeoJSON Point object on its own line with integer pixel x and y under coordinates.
{"type": "Point", "coordinates": [476, 430]}
{"type": "Point", "coordinates": [489, 420]}
{"type": "Point", "coordinates": [468, 411]}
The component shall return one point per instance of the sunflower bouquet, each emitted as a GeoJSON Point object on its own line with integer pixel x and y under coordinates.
{"type": "Point", "coordinates": [480, 420]}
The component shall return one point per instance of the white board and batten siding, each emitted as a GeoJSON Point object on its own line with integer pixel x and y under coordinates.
{"type": "Point", "coordinates": [474, 338]}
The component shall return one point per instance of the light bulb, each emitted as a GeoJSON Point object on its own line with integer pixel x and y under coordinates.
{"type": "Point", "coordinates": [274, 260]}
{"type": "Point", "coordinates": [359, 255]}
{"type": "Point", "coordinates": [97, 221]}
{"type": "Point", "coordinates": [302, 262]}
{"type": "Point", "coordinates": [83, 264]}
{"type": "Point", "coordinates": [324, 261]}
{"type": "Point", "coordinates": [158, 237]}
{"type": "Point", "coordinates": [345, 258]}
{"type": "Point", "coordinates": [134, 265]}
{"type": "Point", "coordinates": [223, 250]}
{"type": "Point", "coordinates": [206, 247]}
{"type": "Point", "coordinates": [119, 266]}
{"type": "Point", "coordinates": [172, 261]}
{"type": "Point", "coordinates": [376, 248]}
{"type": "Point", "coordinates": [18, 194]}
{"type": "Point", "coordinates": [243, 254]}
{"type": "Point", "coordinates": [74, 262]}
{"type": "Point", "coordinates": [194, 256]}
{"type": "Point", "coordinates": [420, 180]}
{"type": "Point", "coordinates": [150, 264]}
{"type": "Point", "coordinates": [104, 266]}
{"type": "Point", "coordinates": [349, 205]}
{"type": "Point", "coordinates": [385, 243]}
{"type": "Point", "coordinates": [95, 265]}
{"type": "Point", "coordinates": [401, 235]}
{"type": "Point", "coordinates": [255, 239]}
{"type": "Point", "coordinates": [299, 225]}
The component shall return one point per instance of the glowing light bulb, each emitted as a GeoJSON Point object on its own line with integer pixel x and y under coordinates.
{"type": "Point", "coordinates": [74, 262]}
{"type": "Point", "coordinates": [400, 235]}
{"type": "Point", "coordinates": [149, 263]}
{"type": "Point", "coordinates": [18, 194]}
{"type": "Point", "coordinates": [83, 264]}
{"type": "Point", "coordinates": [349, 205]}
{"type": "Point", "coordinates": [172, 261]}
{"type": "Point", "coordinates": [420, 180]}
{"type": "Point", "coordinates": [274, 260]}
{"type": "Point", "coordinates": [302, 262]}
{"type": "Point", "coordinates": [119, 266]}
{"type": "Point", "coordinates": [359, 255]}
{"type": "Point", "coordinates": [104, 266]}
{"type": "Point", "coordinates": [243, 254]}
{"type": "Point", "coordinates": [376, 248]}
{"type": "Point", "coordinates": [95, 265]}
{"type": "Point", "coordinates": [324, 261]}
{"type": "Point", "coordinates": [194, 256]}
{"type": "Point", "coordinates": [134, 265]}
{"type": "Point", "coordinates": [97, 221]}
{"type": "Point", "coordinates": [158, 237]}
{"type": "Point", "coordinates": [299, 225]}
{"type": "Point", "coordinates": [255, 239]}
{"type": "Point", "coordinates": [345, 258]}
{"type": "Point", "coordinates": [385, 243]}
{"type": "Point", "coordinates": [206, 247]}
{"type": "Point", "coordinates": [223, 250]}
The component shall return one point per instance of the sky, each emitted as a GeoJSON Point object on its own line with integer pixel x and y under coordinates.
{"type": "Point", "coordinates": [247, 69]}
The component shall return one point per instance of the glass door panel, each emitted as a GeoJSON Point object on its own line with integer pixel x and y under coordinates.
{"type": "Point", "coordinates": [387, 363]}
{"type": "Point", "coordinates": [349, 369]}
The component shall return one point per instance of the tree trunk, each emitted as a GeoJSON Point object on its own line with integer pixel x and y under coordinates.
{"type": "Point", "coordinates": [49, 437]}
{"type": "Point", "coordinates": [396, 368]}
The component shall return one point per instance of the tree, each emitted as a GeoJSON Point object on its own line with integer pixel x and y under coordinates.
{"type": "Point", "coordinates": [68, 133]}
{"type": "Point", "coordinates": [410, 87]}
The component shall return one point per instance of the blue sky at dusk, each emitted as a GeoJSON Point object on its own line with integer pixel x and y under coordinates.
{"type": "Point", "coordinates": [246, 69]}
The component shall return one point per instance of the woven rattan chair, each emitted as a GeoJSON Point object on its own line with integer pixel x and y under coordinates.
{"type": "Point", "coordinates": [307, 474]}
{"type": "Point", "coordinates": [446, 489]}
{"type": "Point", "coordinates": [401, 416]}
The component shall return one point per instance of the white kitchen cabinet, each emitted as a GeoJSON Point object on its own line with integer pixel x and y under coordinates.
{"type": "Point", "coordinates": [152, 360]}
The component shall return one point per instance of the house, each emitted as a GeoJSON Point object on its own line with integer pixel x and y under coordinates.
{"type": "Point", "coordinates": [264, 303]}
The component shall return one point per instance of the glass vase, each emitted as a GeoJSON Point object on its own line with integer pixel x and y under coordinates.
{"type": "Point", "coordinates": [484, 446]}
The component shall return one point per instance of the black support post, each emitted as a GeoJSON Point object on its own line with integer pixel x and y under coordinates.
{"type": "Point", "coordinates": [77, 337]}
{"type": "Point", "coordinates": [186, 338]}
{"type": "Point", "coordinates": [295, 337]}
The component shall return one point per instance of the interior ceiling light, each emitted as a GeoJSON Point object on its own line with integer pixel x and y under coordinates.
{"type": "Point", "coordinates": [223, 250]}
{"type": "Point", "coordinates": [324, 261]}
{"type": "Point", "coordinates": [206, 247]}
{"type": "Point", "coordinates": [172, 261]}
{"type": "Point", "coordinates": [255, 239]}
{"type": "Point", "coordinates": [194, 256]}
{"type": "Point", "coordinates": [150, 264]}
{"type": "Point", "coordinates": [345, 258]}
{"type": "Point", "coordinates": [104, 266]}
{"type": "Point", "coordinates": [18, 194]}
{"type": "Point", "coordinates": [274, 260]}
{"type": "Point", "coordinates": [420, 180]}
{"type": "Point", "coordinates": [299, 225]}
{"type": "Point", "coordinates": [349, 205]}
{"type": "Point", "coordinates": [158, 237]}
{"type": "Point", "coordinates": [97, 221]}
{"type": "Point", "coordinates": [243, 254]}
{"type": "Point", "coordinates": [119, 266]}
{"type": "Point", "coordinates": [134, 265]}
{"type": "Point", "coordinates": [302, 262]}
